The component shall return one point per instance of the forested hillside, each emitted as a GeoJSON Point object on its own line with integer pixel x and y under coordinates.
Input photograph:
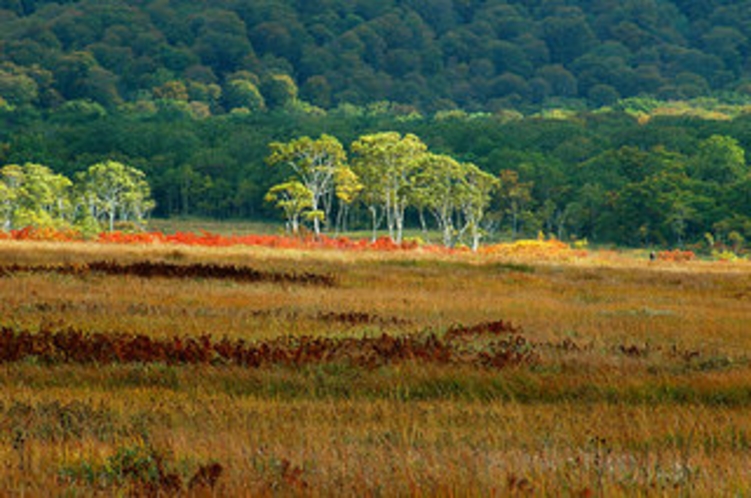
{"type": "Point", "coordinates": [619, 122]}
{"type": "Point", "coordinates": [429, 54]}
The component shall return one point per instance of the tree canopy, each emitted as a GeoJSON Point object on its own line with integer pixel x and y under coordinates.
{"type": "Point", "coordinates": [270, 54]}
{"type": "Point", "coordinates": [33, 195]}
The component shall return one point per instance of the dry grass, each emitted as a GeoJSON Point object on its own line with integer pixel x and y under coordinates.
{"type": "Point", "coordinates": [642, 387]}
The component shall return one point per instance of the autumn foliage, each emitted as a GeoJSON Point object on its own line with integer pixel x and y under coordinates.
{"type": "Point", "coordinates": [207, 239]}
{"type": "Point", "coordinates": [48, 234]}
{"type": "Point", "coordinates": [676, 255]}
{"type": "Point", "coordinates": [539, 249]}
{"type": "Point", "coordinates": [543, 250]}
{"type": "Point", "coordinates": [150, 269]}
{"type": "Point", "coordinates": [53, 345]}
{"type": "Point", "coordinates": [530, 249]}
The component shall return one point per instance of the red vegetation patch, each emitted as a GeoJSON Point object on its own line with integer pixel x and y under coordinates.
{"type": "Point", "coordinates": [485, 328]}
{"type": "Point", "coordinates": [206, 477]}
{"type": "Point", "coordinates": [356, 318]}
{"type": "Point", "coordinates": [676, 255]}
{"type": "Point", "coordinates": [207, 239]}
{"type": "Point", "coordinates": [42, 234]}
{"type": "Point", "coordinates": [493, 344]}
{"type": "Point", "coordinates": [639, 351]}
{"type": "Point", "coordinates": [148, 269]}
{"type": "Point", "coordinates": [70, 345]}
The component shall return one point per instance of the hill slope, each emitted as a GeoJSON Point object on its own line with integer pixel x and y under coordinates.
{"type": "Point", "coordinates": [437, 54]}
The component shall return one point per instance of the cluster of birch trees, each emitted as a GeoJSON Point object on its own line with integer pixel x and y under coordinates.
{"type": "Point", "coordinates": [387, 173]}
{"type": "Point", "coordinates": [99, 197]}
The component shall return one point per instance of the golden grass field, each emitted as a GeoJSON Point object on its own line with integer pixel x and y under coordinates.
{"type": "Point", "coordinates": [638, 384]}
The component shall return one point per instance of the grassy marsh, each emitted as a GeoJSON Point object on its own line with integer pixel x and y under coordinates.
{"type": "Point", "coordinates": [641, 386]}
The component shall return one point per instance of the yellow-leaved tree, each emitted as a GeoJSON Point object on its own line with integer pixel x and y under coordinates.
{"type": "Point", "coordinates": [316, 164]}
{"type": "Point", "coordinates": [386, 163]}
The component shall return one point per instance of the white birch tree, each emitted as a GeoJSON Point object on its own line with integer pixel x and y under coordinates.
{"type": "Point", "coordinates": [33, 195]}
{"type": "Point", "coordinates": [386, 163]}
{"type": "Point", "coordinates": [113, 191]}
{"type": "Point", "coordinates": [294, 199]}
{"type": "Point", "coordinates": [474, 199]}
{"type": "Point", "coordinates": [315, 162]}
{"type": "Point", "coordinates": [7, 206]}
{"type": "Point", "coordinates": [437, 187]}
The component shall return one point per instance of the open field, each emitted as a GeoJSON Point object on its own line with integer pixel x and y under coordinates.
{"type": "Point", "coordinates": [246, 371]}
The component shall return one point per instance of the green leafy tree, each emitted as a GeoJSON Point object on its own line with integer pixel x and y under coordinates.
{"type": "Point", "coordinates": [190, 185]}
{"type": "Point", "coordinates": [172, 90]}
{"type": "Point", "coordinates": [241, 93]}
{"type": "Point", "coordinates": [112, 191]}
{"type": "Point", "coordinates": [437, 187]}
{"type": "Point", "coordinates": [681, 213]}
{"type": "Point", "coordinates": [569, 36]}
{"type": "Point", "coordinates": [17, 89]}
{"type": "Point", "coordinates": [33, 195]}
{"type": "Point", "coordinates": [665, 207]}
{"type": "Point", "coordinates": [279, 90]}
{"type": "Point", "coordinates": [12, 180]}
{"type": "Point", "coordinates": [386, 163]}
{"type": "Point", "coordinates": [455, 193]}
{"type": "Point", "coordinates": [720, 160]}
{"type": "Point", "coordinates": [221, 42]}
{"type": "Point", "coordinates": [474, 199]}
{"type": "Point", "coordinates": [583, 214]}
{"type": "Point", "coordinates": [348, 188]}
{"type": "Point", "coordinates": [317, 91]}
{"type": "Point", "coordinates": [315, 162]}
{"type": "Point", "coordinates": [515, 196]}
{"type": "Point", "coordinates": [294, 199]}
{"type": "Point", "coordinates": [7, 206]}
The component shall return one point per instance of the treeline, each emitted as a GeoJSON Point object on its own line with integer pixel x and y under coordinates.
{"type": "Point", "coordinates": [628, 178]}
{"type": "Point", "coordinates": [430, 55]}
{"type": "Point", "coordinates": [629, 195]}
{"type": "Point", "coordinates": [32, 195]}
{"type": "Point", "coordinates": [388, 174]}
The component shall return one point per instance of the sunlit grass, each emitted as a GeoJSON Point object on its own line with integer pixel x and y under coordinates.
{"type": "Point", "coordinates": [642, 386]}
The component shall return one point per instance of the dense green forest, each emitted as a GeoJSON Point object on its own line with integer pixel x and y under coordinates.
{"type": "Point", "coordinates": [618, 122]}
{"type": "Point", "coordinates": [432, 55]}
{"type": "Point", "coordinates": [605, 176]}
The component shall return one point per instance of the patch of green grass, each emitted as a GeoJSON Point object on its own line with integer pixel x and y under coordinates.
{"type": "Point", "coordinates": [219, 227]}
